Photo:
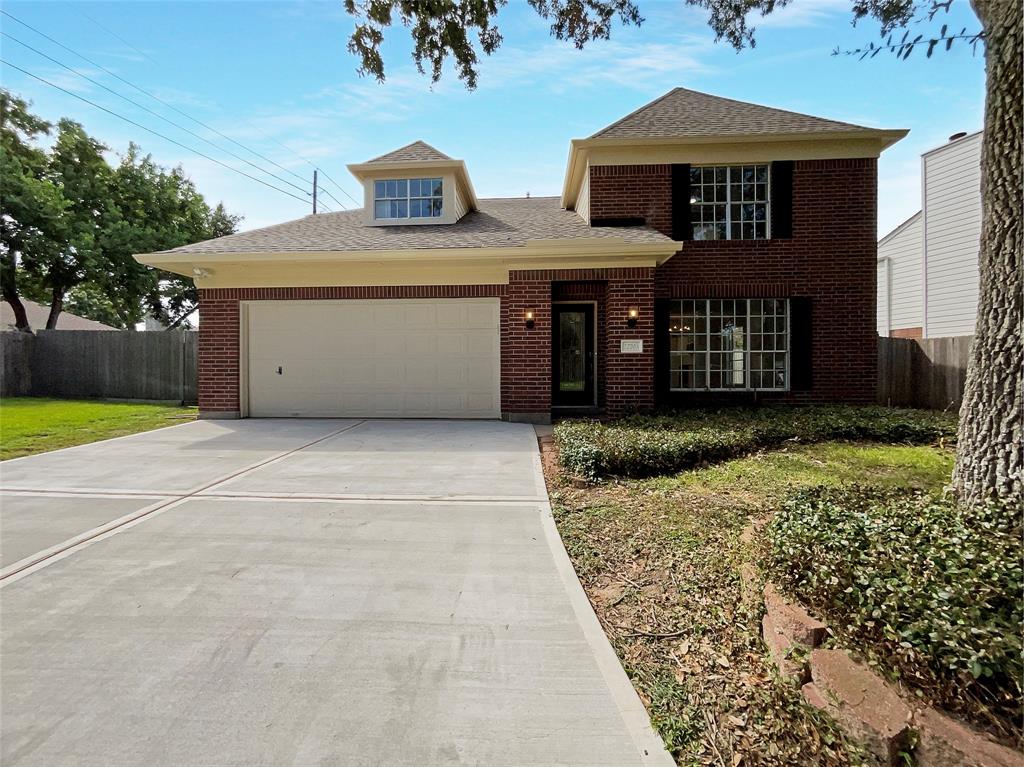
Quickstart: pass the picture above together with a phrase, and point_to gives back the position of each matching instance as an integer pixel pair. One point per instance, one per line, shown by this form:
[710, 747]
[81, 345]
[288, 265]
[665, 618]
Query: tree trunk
[56, 307]
[990, 452]
[20, 316]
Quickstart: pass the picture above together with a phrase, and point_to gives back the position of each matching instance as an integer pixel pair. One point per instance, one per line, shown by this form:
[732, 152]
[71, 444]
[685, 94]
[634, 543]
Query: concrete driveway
[320, 592]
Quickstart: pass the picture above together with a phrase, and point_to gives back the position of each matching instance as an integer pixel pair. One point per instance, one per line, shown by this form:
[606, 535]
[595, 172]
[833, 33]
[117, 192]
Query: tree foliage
[445, 29]
[71, 223]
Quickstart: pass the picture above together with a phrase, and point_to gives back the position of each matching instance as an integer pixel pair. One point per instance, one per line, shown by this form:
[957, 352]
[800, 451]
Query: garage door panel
[398, 358]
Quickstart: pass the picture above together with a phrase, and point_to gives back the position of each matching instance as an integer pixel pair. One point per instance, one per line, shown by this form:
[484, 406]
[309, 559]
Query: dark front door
[572, 355]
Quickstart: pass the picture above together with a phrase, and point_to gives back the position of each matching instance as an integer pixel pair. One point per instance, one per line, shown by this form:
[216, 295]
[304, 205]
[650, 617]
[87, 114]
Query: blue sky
[276, 77]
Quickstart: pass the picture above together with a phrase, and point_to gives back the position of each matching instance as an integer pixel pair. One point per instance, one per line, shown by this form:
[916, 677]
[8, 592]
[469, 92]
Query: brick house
[703, 249]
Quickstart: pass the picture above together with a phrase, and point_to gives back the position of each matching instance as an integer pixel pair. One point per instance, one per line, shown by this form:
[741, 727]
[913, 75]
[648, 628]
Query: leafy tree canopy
[446, 28]
[70, 223]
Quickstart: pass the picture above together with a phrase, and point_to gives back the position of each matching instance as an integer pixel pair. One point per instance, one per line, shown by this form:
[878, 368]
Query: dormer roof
[417, 151]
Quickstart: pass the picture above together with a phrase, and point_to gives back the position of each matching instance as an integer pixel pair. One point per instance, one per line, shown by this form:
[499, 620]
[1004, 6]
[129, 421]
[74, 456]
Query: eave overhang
[424, 266]
[713, 149]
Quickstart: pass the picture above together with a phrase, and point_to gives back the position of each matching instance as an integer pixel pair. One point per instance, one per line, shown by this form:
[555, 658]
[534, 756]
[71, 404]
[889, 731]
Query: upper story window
[729, 202]
[407, 198]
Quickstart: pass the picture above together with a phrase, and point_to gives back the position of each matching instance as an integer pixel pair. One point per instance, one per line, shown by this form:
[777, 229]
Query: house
[928, 265]
[38, 314]
[702, 250]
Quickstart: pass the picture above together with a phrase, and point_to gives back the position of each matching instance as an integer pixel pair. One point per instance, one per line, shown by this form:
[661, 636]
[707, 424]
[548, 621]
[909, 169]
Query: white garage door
[415, 358]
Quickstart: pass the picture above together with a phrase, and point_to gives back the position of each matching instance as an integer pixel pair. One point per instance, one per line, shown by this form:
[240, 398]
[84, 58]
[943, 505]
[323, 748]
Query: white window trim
[408, 198]
[746, 353]
[728, 205]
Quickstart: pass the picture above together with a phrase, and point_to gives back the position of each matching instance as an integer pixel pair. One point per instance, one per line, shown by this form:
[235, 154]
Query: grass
[660, 560]
[30, 425]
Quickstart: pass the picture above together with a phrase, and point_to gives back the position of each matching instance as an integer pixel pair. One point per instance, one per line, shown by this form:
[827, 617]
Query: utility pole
[314, 191]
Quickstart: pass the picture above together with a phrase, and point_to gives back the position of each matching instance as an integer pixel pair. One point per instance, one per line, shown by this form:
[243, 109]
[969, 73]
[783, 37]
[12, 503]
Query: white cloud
[803, 13]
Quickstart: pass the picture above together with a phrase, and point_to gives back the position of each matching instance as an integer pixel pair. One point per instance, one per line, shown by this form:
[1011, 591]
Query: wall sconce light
[632, 315]
[529, 318]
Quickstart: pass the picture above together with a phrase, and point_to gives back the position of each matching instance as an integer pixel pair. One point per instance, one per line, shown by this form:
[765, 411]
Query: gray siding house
[928, 265]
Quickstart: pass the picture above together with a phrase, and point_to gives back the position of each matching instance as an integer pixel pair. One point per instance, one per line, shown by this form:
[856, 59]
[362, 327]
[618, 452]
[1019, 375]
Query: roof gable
[682, 113]
[417, 151]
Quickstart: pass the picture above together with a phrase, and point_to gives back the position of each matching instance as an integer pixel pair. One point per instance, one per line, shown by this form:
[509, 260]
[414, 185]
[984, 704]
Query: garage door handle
[279, 371]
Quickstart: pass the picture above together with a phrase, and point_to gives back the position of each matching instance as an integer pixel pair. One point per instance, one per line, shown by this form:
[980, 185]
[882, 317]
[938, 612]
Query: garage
[394, 358]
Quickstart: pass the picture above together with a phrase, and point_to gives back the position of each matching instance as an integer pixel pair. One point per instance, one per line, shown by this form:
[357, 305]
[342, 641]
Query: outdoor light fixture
[632, 315]
[529, 318]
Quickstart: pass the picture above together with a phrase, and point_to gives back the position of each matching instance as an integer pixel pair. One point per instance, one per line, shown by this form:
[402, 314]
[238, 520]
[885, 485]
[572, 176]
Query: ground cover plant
[646, 446]
[929, 590]
[31, 425]
[660, 559]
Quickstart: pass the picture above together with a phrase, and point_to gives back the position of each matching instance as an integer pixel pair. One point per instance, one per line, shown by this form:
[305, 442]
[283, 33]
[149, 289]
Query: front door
[572, 355]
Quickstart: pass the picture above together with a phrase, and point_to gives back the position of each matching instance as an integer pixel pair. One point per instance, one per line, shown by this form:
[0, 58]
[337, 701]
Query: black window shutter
[682, 226]
[800, 352]
[782, 199]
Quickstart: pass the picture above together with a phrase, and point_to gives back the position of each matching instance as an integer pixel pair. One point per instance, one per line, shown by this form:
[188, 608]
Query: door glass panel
[572, 352]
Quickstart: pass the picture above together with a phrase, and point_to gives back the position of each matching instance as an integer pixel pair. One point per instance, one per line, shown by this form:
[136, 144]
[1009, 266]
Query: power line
[150, 95]
[117, 36]
[337, 185]
[154, 113]
[328, 193]
[155, 133]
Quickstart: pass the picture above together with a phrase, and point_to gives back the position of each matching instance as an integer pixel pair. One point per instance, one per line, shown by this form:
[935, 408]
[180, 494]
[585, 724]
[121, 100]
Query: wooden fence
[923, 372]
[153, 365]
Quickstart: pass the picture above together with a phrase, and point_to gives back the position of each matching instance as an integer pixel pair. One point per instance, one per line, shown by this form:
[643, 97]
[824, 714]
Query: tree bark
[990, 452]
[56, 307]
[9, 289]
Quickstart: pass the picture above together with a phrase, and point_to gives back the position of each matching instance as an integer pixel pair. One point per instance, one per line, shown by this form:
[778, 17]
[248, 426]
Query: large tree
[70, 224]
[990, 456]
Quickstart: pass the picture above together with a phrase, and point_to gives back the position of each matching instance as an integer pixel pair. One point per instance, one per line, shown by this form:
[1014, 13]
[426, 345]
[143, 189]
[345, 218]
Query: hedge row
[644, 446]
[917, 577]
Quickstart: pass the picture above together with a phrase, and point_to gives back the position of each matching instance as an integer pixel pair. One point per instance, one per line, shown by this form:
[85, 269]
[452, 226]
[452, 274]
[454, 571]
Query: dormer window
[404, 198]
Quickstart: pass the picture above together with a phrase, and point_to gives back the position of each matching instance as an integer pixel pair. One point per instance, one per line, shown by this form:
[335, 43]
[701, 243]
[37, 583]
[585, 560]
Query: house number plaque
[631, 346]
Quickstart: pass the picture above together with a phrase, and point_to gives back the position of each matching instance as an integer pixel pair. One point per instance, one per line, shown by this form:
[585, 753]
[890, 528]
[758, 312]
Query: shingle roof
[505, 222]
[417, 151]
[683, 113]
[37, 315]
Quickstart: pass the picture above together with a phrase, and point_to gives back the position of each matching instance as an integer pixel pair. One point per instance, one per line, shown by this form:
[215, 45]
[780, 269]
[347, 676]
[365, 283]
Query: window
[729, 344]
[407, 198]
[729, 202]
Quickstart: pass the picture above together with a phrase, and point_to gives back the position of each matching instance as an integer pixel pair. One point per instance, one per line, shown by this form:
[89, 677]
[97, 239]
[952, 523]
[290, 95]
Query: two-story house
[703, 249]
[928, 265]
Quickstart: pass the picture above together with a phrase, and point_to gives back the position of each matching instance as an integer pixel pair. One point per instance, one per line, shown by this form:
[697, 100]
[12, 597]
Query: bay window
[729, 344]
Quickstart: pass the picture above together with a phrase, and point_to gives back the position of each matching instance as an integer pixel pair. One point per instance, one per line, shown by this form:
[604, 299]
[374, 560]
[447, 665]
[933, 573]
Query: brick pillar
[526, 352]
[218, 356]
[629, 378]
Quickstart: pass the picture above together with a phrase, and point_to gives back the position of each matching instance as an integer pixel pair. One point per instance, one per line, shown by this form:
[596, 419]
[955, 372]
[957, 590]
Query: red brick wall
[830, 258]
[621, 191]
[630, 377]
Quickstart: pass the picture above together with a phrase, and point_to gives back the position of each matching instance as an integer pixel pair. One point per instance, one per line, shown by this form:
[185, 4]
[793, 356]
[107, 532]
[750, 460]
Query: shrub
[644, 446]
[919, 579]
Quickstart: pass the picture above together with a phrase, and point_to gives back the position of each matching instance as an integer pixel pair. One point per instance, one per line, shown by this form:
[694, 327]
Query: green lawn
[31, 425]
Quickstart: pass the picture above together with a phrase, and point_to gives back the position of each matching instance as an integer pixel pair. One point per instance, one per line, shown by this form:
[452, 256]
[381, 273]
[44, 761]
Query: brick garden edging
[867, 708]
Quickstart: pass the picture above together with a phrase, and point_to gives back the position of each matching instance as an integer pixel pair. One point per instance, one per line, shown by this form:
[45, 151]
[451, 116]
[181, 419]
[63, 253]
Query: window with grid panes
[408, 198]
[729, 202]
[729, 344]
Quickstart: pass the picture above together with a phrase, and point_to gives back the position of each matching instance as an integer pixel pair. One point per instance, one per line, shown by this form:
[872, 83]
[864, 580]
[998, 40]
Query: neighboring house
[38, 314]
[702, 250]
[928, 265]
